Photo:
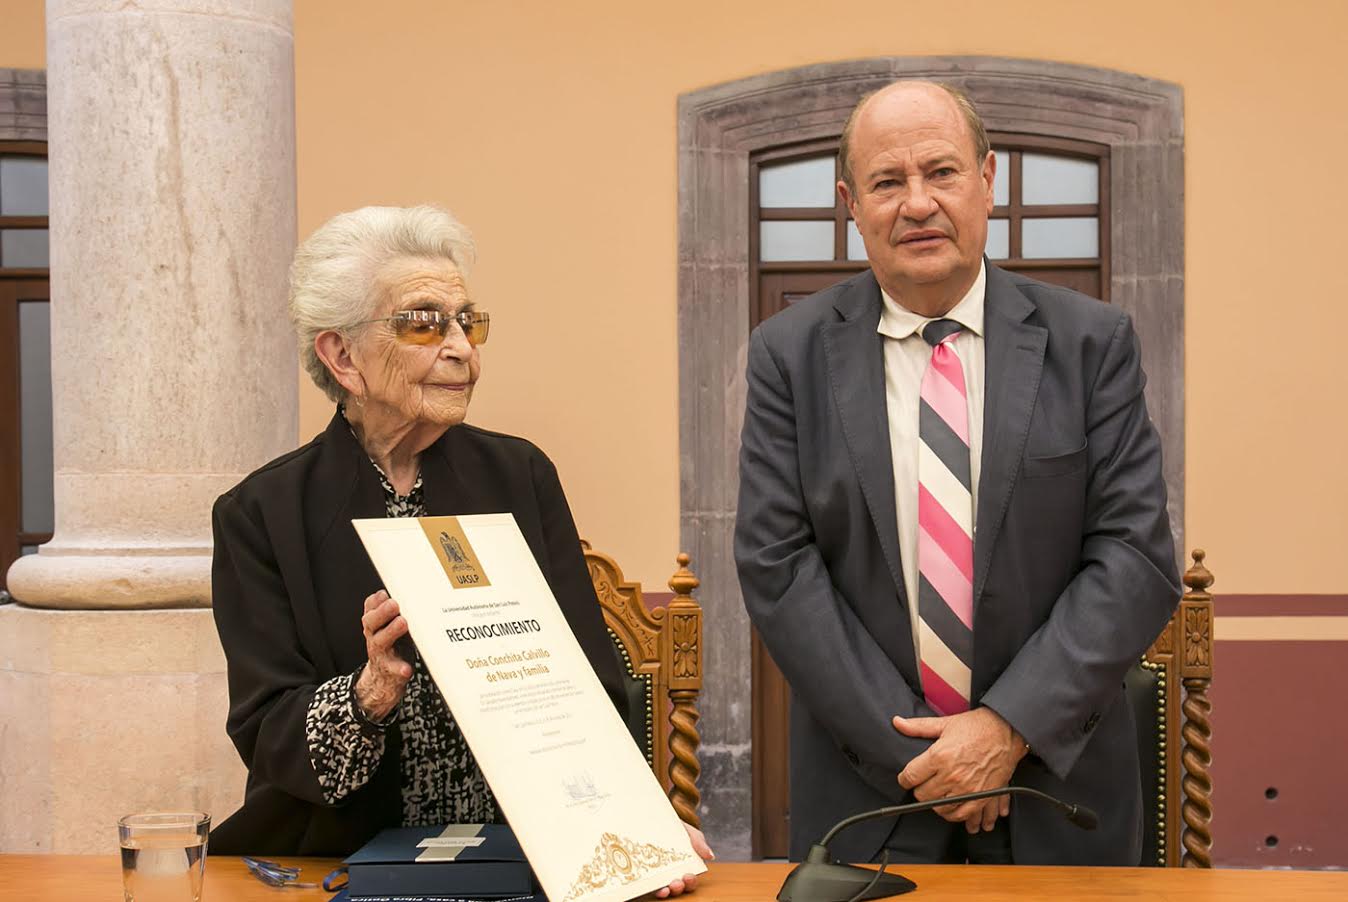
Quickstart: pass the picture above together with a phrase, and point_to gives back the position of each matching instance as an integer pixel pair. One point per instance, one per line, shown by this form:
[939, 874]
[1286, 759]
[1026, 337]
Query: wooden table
[95, 878]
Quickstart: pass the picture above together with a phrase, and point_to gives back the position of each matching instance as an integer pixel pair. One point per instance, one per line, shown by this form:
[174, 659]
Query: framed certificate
[587, 810]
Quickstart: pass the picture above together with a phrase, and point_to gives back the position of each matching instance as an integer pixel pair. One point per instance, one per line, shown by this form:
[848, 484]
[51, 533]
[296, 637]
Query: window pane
[804, 183]
[999, 239]
[23, 186]
[1042, 239]
[23, 248]
[1001, 182]
[780, 240]
[856, 248]
[35, 416]
[1048, 179]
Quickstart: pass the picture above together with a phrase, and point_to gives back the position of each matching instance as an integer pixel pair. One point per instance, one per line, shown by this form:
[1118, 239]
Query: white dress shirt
[906, 357]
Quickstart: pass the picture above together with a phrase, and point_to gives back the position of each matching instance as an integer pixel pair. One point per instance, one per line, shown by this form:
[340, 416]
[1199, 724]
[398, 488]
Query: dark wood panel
[23, 148]
[800, 150]
[23, 222]
[778, 290]
[771, 760]
[10, 452]
[1029, 267]
[771, 694]
[796, 213]
[1086, 150]
[1086, 281]
[12, 293]
[1041, 211]
[843, 268]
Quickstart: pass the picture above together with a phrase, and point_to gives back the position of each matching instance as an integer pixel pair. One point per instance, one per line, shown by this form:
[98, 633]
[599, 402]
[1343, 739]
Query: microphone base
[823, 881]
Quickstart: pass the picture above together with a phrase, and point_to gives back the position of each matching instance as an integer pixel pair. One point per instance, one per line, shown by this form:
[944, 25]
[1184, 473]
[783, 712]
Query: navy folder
[476, 861]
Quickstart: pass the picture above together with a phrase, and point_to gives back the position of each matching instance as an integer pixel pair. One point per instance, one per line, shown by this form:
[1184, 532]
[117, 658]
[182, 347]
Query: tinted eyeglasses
[426, 327]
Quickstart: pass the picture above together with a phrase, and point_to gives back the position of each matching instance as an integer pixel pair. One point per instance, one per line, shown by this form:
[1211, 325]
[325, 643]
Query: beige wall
[22, 35]
[550, 129]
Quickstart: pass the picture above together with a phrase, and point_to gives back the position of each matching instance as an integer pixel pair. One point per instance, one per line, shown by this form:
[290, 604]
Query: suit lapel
[1013, 361]
[856, 372]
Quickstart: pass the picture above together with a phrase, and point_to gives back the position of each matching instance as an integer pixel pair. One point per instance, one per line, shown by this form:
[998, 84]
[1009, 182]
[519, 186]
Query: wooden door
[25, 354]
[16, 295]
[771, 695]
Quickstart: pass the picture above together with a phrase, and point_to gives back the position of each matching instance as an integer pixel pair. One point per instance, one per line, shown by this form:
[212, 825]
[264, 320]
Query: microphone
[819, 879]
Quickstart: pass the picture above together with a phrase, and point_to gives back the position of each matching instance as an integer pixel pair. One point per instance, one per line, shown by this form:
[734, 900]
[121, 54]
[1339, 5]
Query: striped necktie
[945, 545]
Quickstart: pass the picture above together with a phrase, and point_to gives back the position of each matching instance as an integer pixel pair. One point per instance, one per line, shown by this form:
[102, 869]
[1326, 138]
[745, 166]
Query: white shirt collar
[897, 321]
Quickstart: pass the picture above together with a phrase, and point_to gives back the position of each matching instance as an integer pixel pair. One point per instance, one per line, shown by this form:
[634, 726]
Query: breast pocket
[1055, 465]
[1047, 515]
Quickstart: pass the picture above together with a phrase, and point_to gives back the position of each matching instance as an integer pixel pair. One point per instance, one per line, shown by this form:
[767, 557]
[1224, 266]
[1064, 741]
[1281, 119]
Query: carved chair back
[1168, 692]
[661, 652]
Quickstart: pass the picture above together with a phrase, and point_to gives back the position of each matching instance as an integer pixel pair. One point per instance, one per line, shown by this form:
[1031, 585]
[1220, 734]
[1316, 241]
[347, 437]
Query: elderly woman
[341, 727]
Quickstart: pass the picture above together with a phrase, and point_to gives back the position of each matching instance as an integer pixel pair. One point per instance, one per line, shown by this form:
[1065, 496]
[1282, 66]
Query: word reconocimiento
[492, 630]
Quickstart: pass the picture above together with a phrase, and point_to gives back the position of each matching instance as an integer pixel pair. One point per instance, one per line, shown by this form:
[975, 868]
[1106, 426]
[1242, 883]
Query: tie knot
[938, 330]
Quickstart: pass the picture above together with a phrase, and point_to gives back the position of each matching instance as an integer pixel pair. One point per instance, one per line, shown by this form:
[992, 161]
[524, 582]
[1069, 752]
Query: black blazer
[289, 582]
[1074, 564]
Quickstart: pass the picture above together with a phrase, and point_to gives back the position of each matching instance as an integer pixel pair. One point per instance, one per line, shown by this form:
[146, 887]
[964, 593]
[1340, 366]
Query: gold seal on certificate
[584, 804]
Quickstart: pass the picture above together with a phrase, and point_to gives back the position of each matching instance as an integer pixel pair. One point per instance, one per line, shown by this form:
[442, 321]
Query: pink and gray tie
[945, 545]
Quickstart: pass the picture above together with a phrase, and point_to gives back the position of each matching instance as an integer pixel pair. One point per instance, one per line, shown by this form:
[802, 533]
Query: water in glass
[163, 856]
[166, 868]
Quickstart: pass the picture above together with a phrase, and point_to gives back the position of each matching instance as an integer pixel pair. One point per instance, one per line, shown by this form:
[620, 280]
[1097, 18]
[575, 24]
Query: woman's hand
[689, 881]
[385, 675]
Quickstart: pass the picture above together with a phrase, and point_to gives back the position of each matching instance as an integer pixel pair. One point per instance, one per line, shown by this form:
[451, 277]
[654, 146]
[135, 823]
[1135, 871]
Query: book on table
[458, 861]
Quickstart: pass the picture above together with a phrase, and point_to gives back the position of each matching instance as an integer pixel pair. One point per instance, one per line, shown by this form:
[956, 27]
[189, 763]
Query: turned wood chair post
[1195, 668]
[662, 647]
[682, 659]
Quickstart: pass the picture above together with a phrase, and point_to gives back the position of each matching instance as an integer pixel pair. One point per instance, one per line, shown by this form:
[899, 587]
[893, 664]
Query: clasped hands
[971, 752]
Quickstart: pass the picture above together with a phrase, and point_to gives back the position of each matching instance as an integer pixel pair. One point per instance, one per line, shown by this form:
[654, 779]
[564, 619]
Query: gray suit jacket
[1074, 567]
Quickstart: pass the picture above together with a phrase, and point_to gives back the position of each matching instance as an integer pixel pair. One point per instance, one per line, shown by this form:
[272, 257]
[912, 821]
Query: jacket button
[1092, 721]
[851, 757]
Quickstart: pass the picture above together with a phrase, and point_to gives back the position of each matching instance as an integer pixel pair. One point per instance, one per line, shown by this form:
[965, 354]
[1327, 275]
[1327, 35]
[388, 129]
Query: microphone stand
[819, 879]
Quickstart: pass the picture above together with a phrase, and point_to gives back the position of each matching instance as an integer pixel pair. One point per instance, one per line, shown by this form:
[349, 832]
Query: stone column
[172, 162]
[172, 157]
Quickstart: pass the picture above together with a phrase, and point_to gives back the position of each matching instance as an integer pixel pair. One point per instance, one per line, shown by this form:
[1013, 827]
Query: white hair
[332, 281]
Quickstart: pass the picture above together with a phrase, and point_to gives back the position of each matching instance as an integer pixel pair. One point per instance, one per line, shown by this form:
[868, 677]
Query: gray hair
[332, 281]
[974, 122]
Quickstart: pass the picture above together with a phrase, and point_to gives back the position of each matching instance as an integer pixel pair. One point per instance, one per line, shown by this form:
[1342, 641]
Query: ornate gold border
[617, 861]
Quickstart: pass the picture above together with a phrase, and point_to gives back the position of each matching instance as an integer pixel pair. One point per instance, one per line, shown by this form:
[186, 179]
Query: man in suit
[952, 531]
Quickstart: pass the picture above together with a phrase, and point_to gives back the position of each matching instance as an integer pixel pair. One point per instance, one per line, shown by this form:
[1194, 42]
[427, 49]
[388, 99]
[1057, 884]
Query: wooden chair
[1168, 691]
[661, 652]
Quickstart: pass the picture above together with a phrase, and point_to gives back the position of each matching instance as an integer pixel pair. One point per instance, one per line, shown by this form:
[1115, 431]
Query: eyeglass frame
[473, 315]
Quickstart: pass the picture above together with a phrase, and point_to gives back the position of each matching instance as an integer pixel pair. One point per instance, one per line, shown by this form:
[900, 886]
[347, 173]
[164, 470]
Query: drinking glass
[163, 855]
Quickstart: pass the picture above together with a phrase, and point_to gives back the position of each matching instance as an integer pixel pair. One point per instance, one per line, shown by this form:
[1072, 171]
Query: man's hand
[689, 881]
[973, 751]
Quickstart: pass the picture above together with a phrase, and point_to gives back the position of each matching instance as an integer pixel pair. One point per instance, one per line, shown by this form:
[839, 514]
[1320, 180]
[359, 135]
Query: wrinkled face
[430, 383]
[920, 199]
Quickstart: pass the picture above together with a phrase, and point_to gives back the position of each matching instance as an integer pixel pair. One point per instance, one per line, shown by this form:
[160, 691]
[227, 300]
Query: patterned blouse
[441, 782]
